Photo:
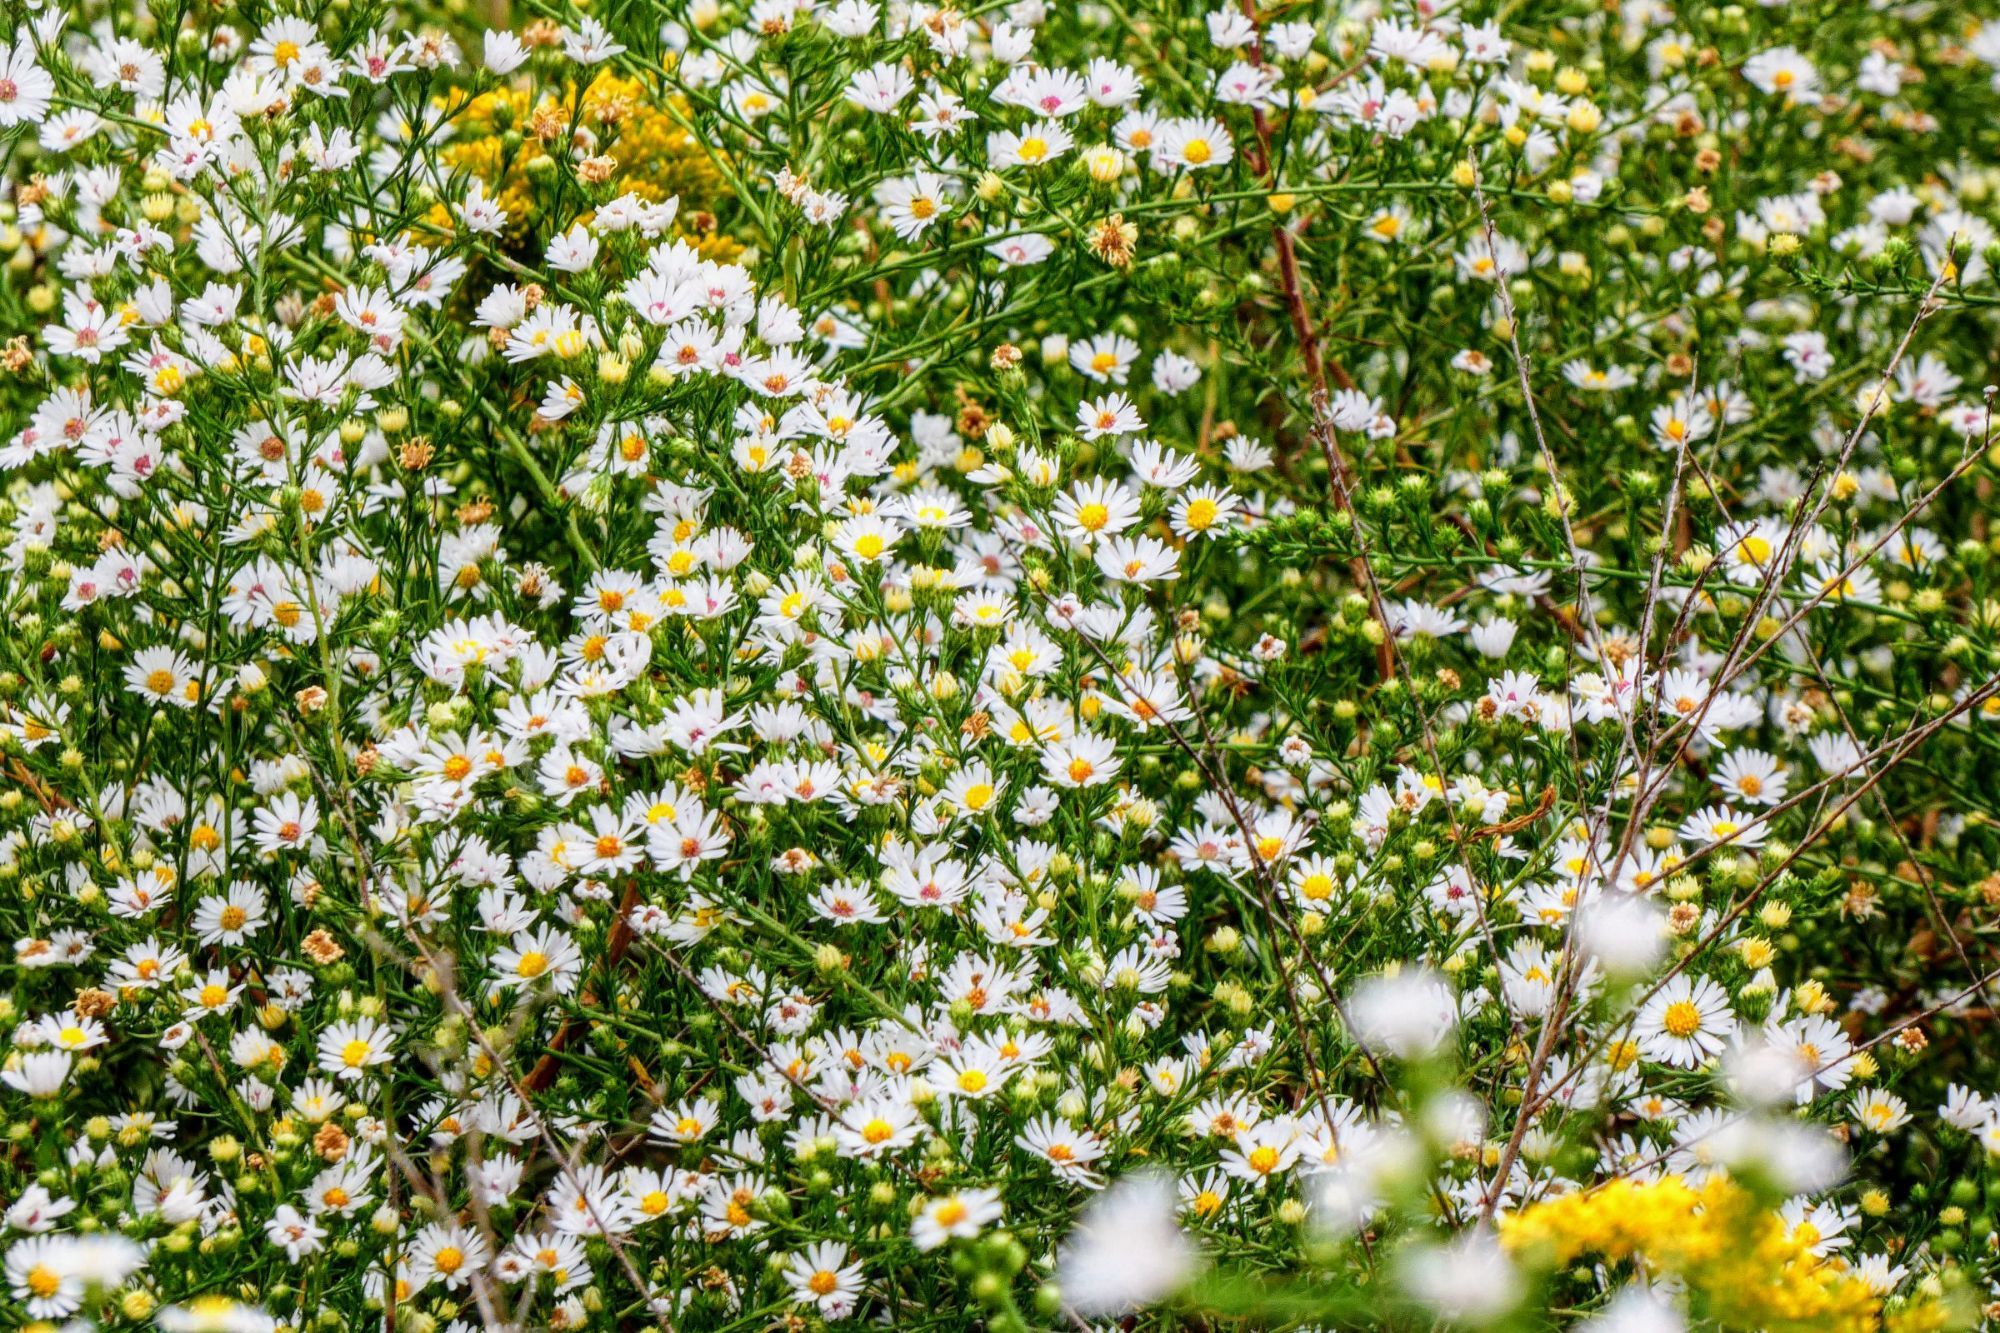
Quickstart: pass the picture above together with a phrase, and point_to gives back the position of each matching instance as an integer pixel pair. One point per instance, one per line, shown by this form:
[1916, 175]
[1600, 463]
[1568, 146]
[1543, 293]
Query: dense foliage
[999, 667]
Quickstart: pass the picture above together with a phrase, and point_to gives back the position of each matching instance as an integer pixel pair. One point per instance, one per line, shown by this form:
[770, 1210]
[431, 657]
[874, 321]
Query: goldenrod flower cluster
[1743, 1266]
[504, 136]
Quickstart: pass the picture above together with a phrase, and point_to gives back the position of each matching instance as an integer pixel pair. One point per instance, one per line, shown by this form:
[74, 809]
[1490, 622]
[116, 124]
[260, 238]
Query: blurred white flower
[1128, 1250]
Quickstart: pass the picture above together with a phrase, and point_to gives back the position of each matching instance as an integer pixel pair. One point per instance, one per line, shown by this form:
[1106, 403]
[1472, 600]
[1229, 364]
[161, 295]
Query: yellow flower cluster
[501, 137]
[1743, 1267]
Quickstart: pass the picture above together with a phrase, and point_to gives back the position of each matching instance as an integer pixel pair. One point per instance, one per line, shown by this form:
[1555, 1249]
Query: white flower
[1127, 1250]
[1410, 1014]
[1782, 72]
[1468, 1280]
[572, 252]
[349, 1048]
[38, 1073]
[963, 1214]
[589, 44]
[1624, 932]
[1879, 1111]
[1685, 1023]
[503, 52]
[25, 87]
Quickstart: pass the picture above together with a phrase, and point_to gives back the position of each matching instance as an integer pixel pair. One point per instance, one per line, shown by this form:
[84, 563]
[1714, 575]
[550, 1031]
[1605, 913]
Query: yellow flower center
[1682, 1019]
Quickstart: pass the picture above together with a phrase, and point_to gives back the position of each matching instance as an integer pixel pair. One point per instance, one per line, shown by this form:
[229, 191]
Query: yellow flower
[617, 117]
[1740, 1262]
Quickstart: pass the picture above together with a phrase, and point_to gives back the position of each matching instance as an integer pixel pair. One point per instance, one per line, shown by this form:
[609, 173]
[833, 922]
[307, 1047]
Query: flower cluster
[1000, 666]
